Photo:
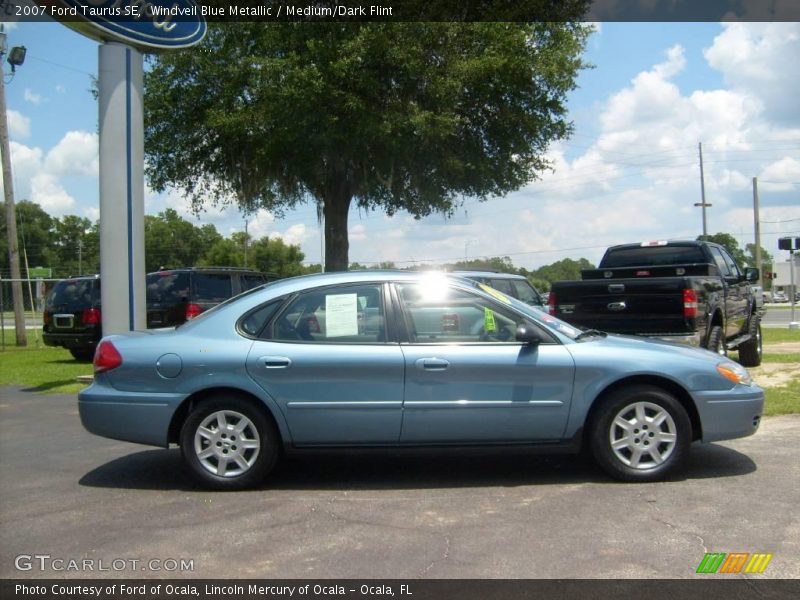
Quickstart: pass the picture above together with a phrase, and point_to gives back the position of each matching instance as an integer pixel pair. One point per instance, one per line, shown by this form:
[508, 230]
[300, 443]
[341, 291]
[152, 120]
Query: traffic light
[786, 243]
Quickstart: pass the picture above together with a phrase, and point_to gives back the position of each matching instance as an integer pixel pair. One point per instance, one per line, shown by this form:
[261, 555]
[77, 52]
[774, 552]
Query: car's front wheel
[641, 433]
[229, 442]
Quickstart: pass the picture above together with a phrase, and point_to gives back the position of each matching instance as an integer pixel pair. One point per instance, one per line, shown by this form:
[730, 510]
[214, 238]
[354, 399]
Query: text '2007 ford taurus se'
[397, 360]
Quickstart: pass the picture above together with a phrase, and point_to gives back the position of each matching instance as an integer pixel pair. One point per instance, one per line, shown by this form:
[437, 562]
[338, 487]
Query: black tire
[751, 350]
[82, 354]
[660, 447]
[716, 341]
[225, 458]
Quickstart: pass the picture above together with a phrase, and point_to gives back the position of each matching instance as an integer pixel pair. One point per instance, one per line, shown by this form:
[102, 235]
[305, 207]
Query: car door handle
[432, 364]
[275, 362]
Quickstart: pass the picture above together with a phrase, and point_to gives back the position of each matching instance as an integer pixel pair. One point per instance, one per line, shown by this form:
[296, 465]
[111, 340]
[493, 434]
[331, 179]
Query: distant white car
[779, 297]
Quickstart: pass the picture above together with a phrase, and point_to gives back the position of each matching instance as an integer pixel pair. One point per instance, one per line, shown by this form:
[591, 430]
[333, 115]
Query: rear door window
[167, 288]
[211, 288]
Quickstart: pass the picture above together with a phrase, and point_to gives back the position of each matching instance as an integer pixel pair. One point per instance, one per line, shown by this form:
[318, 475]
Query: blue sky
[629, 173]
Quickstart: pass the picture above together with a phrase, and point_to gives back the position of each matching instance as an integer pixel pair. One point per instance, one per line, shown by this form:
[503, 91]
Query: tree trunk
[336, 206]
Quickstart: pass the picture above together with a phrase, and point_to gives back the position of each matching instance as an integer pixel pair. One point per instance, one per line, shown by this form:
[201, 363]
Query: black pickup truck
[686, 291]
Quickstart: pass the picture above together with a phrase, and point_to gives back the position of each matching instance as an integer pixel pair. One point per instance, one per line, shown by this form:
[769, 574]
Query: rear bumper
[139, 418]
[730, 414]
[71, 341]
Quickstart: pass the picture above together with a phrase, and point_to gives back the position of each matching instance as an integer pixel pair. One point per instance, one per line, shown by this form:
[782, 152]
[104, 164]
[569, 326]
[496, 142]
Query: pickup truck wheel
[715, 342]
[640, 434]
[750, 351]
[229, 443]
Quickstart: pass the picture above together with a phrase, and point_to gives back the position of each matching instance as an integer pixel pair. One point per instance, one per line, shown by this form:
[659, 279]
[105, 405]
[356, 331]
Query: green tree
[561, 270]
[387, 116]
[75, 246]
[172, 241]
[750, 256]
[34, 235]
[272, 255]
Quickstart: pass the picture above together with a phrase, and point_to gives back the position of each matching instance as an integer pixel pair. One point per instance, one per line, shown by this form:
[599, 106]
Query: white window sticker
[341, 315]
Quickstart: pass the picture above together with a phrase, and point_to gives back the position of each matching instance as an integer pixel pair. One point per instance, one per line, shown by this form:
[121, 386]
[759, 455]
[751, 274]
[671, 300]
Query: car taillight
[91, 316]
[551, 303]
[192, 310]
[48, 317]
[690, 304]
[106, 357]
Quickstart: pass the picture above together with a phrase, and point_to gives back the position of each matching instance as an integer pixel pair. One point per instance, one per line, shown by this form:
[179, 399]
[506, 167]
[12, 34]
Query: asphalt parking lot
[73, 496]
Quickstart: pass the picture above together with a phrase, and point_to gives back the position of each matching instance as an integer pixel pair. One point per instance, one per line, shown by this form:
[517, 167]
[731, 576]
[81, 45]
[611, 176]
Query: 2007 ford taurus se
[392, 359]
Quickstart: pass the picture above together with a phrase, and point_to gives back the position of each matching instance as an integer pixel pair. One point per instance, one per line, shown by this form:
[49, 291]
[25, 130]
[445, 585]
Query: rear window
[167, 287]
[74, 294]
[211, 287]
[653, 256]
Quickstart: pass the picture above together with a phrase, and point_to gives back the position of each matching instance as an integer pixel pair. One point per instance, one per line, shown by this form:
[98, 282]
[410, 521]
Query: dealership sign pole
[126, 29]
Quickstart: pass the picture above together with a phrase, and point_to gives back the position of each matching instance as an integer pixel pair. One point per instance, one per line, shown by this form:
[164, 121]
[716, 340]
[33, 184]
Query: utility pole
[702, 202]
[757, 228]
[245, 243]
[11, 213]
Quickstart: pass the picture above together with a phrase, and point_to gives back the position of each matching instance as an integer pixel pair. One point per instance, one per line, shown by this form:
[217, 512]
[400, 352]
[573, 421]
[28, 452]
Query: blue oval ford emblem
[146, 24]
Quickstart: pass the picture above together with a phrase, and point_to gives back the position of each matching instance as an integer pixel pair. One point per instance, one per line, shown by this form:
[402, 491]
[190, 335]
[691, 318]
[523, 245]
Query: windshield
[534, 312]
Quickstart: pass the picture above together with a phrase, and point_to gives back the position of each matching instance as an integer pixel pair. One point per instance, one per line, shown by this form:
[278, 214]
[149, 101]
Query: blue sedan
[393, 359]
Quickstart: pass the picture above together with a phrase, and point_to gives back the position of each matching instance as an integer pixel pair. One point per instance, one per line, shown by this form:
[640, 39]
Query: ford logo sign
[148, 25]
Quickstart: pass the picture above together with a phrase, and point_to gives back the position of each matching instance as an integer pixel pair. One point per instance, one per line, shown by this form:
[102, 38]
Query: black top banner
[403, 10]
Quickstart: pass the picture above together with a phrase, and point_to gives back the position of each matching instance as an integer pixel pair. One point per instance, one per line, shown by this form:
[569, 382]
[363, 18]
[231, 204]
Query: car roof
[210, 270]
[80, 278]
[301, 282]
[487, 274]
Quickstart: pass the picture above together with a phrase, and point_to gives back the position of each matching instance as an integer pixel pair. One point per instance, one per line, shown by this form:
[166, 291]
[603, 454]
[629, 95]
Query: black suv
[72, 317]
[515, 286]
[176, 295]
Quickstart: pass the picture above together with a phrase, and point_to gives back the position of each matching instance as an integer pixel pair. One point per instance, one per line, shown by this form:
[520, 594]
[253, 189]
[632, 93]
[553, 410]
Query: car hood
[618, 356]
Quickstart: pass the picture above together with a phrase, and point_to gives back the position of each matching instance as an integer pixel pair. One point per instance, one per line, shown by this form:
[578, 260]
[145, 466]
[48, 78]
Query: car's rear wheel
[229, 442]
[641, 433]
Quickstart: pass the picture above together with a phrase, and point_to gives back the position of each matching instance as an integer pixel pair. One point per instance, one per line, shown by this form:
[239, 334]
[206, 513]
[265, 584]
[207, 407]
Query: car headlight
[734, 372]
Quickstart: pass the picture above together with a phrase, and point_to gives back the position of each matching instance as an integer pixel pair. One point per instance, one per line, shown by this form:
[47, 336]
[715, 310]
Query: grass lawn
[41, 369]
[53, 370]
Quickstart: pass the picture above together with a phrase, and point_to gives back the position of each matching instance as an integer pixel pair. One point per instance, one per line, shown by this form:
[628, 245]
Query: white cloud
[755, 59]
[75, 154]
[19, 126]
[782, 175]
[38, 176]
[47, 192]
[33, 97]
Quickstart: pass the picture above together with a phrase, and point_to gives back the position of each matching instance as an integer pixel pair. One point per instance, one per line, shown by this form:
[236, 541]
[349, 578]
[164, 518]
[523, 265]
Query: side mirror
[751, 274]
[527, 335]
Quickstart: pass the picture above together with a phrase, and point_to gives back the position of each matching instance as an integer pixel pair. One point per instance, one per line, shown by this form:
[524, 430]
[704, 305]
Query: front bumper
[127, 416]
[730, 414]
